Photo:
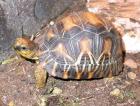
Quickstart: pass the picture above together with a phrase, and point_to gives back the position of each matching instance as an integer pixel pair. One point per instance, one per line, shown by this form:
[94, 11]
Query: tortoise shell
[82, 45]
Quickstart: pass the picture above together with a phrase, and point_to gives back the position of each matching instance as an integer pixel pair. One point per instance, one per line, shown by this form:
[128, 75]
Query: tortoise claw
[40, 76]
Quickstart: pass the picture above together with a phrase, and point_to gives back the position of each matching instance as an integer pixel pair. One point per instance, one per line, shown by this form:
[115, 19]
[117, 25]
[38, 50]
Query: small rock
[11, 103]
[131, 101]
[57, 91]
[130, 63]
[115, 92]
[42, 101]
[52, 23]
[132, 75]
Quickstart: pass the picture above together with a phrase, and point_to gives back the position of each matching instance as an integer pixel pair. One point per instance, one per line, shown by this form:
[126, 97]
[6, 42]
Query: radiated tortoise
[80, 45]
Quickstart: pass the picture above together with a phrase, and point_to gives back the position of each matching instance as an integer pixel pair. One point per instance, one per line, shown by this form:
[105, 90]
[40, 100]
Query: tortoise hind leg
[40, 76]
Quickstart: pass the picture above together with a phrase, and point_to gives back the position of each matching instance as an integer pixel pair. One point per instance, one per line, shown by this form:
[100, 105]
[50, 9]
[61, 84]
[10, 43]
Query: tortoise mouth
[26, 53]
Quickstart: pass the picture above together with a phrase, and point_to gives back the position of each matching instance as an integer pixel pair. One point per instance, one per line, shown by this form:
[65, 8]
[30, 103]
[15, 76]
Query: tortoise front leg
[40, 76]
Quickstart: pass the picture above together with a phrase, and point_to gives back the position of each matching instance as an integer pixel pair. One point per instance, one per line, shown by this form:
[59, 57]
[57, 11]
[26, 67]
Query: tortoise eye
[24, 48]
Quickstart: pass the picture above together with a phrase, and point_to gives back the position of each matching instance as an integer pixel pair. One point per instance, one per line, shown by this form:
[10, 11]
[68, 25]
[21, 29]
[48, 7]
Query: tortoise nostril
[17, 48]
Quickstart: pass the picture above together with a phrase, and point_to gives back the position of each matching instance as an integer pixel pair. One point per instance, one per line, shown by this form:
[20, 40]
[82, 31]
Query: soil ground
[18, 88]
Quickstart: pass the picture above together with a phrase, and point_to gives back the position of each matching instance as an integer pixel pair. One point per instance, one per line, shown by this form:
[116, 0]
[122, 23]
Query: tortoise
[80, 45]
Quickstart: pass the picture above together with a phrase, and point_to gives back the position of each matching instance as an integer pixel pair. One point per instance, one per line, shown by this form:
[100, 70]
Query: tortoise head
[26, 48]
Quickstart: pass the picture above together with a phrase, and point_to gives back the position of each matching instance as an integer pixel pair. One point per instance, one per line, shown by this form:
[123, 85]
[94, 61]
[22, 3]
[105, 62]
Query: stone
[50, 9]
[11, 103]
[131, 75]
[130, 63]
[6, 35]
[57, 91]
[115, 92]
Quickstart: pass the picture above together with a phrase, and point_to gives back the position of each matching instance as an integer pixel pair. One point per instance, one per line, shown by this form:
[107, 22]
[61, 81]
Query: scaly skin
[40, 76]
